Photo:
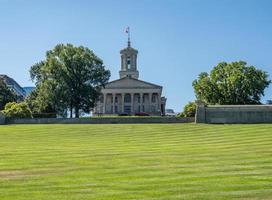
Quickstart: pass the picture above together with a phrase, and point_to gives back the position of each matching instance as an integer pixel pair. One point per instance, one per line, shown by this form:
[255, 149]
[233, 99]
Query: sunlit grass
[143, 161]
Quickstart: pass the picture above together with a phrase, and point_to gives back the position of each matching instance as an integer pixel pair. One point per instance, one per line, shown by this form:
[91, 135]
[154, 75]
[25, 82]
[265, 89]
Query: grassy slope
[173, 161]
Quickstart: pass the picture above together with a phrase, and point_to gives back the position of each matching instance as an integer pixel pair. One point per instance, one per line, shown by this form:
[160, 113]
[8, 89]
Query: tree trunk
[71, 111]
[77, 112]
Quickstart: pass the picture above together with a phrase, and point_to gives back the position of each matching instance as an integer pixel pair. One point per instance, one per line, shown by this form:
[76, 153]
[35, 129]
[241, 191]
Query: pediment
[130, 83]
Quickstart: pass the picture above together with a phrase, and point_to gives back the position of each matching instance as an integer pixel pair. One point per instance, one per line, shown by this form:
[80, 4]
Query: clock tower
[129, 62]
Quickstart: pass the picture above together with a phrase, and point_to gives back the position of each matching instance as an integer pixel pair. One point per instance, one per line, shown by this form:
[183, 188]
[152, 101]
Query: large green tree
[6, 95]
[231, 83]
[70, 77]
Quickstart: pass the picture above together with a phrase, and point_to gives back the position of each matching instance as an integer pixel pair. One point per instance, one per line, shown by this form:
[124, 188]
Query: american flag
[127, 29]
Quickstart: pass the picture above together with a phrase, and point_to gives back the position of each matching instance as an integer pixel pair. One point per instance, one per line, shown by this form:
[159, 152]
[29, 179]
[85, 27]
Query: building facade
[128, 94]
[28, 90]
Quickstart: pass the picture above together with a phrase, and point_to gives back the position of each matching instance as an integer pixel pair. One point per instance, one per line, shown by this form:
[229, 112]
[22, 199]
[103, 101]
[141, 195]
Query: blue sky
[176, 39]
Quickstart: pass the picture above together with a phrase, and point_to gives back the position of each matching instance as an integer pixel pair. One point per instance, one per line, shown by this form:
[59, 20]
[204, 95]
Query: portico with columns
[130, 102]
[128, 94]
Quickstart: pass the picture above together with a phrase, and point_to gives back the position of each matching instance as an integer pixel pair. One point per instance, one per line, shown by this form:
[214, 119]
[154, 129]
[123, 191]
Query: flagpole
[128, 32]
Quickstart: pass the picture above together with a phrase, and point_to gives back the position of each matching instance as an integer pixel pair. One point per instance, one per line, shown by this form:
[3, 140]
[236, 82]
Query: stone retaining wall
[231, 114]
[106, 120]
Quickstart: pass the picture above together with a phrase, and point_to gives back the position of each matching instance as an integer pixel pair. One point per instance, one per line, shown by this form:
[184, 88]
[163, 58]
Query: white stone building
[128, 94]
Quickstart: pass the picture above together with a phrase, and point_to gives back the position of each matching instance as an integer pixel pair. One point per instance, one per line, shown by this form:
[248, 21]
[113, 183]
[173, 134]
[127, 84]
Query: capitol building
[129, 94]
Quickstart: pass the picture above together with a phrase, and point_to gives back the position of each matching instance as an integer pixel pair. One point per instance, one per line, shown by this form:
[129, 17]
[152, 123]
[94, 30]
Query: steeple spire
[129, 60]
[128, 32]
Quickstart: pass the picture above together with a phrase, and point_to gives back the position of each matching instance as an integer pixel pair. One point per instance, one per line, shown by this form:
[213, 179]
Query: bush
[17, 110]
[44, 115]
[189, 110]
[141, 114]
[123, 114]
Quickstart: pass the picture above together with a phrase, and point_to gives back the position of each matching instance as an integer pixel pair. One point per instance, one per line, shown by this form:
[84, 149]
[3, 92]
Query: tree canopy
[6, 95]
[70, 77]
[231, 83]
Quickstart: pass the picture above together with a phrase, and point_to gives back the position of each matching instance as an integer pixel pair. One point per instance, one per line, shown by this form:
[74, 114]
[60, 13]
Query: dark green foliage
[41, 104]
[70, 77]
[6, 95]
[15, 110]
[232, 83]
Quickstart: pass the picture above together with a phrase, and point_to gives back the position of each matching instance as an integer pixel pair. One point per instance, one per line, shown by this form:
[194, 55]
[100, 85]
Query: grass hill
[147, 162]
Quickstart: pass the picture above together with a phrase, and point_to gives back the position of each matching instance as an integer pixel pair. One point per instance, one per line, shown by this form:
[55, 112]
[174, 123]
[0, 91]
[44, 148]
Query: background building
[28, 90]
[14, 86]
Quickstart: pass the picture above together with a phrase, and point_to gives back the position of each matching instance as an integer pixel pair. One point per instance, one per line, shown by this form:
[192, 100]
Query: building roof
[127, 49]
[128, 82]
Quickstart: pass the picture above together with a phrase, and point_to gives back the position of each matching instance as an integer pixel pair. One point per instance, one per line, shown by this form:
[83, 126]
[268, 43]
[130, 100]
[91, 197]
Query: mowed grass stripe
[142, 161]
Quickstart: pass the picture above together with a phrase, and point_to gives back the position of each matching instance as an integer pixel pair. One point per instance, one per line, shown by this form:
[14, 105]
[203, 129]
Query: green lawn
[151, 161]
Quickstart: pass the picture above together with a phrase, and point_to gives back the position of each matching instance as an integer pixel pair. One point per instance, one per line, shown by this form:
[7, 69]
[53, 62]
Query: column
[200, 116]
[132, 102]
[159, 103]
[141, 102]
[133, 61]
[104, 103]
[122, 63]
[113, 102]
[150, 101]
[123, 101]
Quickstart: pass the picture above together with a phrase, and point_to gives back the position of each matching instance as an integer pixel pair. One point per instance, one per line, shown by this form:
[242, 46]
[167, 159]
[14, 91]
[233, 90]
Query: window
[101, 98]
[153, 99]
[116, 99]
[139, 99]
[128, 62]
[127, 98]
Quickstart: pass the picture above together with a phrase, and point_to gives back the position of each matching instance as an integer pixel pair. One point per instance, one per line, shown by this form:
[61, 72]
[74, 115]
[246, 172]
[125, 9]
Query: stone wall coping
[105, 120]
[237, 106]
